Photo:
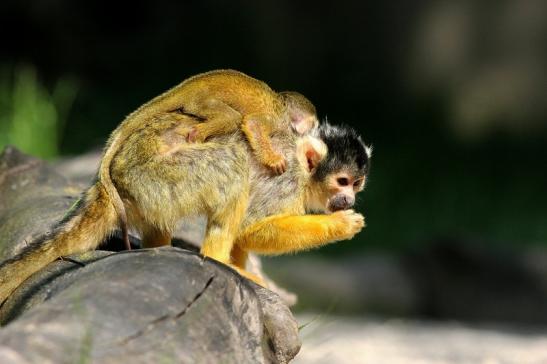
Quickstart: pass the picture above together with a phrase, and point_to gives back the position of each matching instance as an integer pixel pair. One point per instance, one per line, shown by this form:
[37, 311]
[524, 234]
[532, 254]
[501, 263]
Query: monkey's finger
[359, 219]
[281, 167]
[347, 213]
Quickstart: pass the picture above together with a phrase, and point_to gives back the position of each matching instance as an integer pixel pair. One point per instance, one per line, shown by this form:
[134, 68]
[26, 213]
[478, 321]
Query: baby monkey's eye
[342, 181]
[358, 183]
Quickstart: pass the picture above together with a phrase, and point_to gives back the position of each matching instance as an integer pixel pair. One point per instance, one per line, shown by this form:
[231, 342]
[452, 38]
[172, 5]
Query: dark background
[452, 95]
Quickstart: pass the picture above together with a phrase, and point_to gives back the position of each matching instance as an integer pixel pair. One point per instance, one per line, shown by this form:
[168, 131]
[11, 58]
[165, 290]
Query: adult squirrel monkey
[224, 101]
[161, 178]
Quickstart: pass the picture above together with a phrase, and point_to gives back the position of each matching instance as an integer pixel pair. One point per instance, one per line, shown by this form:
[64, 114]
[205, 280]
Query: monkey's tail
[105, 179]
[88, 224]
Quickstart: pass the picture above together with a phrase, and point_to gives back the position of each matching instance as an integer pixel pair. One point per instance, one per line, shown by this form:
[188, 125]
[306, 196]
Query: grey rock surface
[33, 196]
[142, 306]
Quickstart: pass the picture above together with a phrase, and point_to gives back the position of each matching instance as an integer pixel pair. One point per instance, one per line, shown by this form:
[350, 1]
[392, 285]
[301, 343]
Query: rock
[33, 197]
[143, 306]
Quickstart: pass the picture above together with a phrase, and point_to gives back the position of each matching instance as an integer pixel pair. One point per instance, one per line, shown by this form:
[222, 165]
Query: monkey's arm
[222, 119]
[257, 128]
[284, 234]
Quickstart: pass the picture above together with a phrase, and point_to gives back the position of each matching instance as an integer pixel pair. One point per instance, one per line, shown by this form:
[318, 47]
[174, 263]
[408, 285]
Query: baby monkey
[227, 100]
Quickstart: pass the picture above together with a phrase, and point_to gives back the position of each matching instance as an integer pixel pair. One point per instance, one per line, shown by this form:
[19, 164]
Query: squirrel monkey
[224, 100]
[162, 178]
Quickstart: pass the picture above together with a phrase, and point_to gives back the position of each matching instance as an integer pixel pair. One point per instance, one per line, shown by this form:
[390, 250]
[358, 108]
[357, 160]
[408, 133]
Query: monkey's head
[300, 111]
[339, 171]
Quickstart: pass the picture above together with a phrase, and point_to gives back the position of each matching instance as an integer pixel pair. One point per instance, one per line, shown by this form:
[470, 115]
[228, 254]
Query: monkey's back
[245, 94]
[143, 132]
[161, 177]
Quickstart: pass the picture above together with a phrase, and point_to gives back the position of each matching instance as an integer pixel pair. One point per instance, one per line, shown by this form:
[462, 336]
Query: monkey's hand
[257, 129]
[248, 275]
[350, 223]
[276, 162]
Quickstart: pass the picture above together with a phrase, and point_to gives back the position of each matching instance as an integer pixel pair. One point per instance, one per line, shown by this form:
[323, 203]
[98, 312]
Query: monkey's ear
[310, 151]
[302, 122]
[301, 112]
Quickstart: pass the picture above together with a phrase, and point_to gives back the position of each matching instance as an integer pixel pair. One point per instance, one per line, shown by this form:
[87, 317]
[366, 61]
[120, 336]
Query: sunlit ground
[335, 339]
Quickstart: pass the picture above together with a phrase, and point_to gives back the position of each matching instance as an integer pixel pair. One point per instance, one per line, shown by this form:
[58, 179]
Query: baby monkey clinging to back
[228, 100]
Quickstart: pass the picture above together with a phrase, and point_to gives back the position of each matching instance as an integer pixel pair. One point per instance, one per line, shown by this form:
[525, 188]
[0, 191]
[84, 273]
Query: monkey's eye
[357, 183]
[342, 181]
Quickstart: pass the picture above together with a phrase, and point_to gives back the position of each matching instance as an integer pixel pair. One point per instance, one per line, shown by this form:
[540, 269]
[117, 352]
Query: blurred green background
[453, 95]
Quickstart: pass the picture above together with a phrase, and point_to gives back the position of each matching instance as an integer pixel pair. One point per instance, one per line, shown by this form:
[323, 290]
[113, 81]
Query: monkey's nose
[341, 202]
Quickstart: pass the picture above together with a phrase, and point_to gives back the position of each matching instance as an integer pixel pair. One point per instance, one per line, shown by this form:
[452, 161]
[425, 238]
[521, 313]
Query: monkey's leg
[257, 129]
[222, 228]
[152, 237]
[284, 234]
[220, 119]
[239, 262]
[239, 257]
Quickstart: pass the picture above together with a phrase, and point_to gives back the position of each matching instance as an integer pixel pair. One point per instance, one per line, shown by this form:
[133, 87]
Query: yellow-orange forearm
[284, 234]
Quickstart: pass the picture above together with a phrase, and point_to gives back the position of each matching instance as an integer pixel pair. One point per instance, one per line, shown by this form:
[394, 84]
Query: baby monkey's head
[300, 111]
[338, 168]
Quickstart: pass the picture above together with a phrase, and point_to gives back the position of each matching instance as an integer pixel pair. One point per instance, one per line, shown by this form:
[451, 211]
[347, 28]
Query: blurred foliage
[451, 94]
[416, 195]
[31, 117]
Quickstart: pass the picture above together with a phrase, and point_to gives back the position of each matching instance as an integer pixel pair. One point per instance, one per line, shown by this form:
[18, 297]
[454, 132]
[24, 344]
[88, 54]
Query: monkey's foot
[277, 163]
[248, 275]
[194, 135]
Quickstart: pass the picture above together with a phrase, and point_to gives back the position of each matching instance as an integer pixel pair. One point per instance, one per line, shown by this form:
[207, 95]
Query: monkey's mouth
[339, 202]
[331, 208]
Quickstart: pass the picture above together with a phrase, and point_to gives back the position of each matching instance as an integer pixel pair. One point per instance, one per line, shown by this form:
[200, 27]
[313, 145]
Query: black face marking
[346, 151]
